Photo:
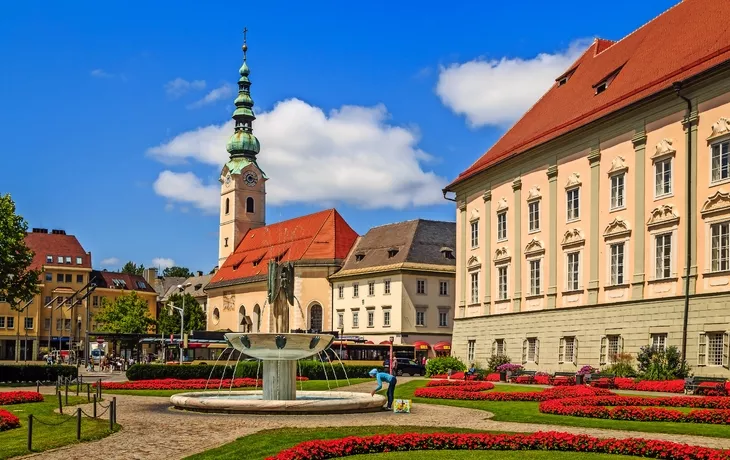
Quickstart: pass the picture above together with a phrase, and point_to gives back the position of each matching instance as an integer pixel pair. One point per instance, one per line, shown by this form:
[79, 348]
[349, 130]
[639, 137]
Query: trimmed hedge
[31, 372]
[313, 370]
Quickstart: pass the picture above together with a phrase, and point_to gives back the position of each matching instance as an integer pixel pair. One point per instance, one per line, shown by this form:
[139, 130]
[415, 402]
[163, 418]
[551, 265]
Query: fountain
[279, 351]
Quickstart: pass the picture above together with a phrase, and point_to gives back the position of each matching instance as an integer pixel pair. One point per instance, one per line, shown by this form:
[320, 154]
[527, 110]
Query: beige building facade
[605, 226]
[398, 281]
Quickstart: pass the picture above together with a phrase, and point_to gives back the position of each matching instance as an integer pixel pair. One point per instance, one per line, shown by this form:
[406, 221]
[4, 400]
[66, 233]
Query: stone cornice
[487, 195]
[573, 237]
[639, 139]
[573, 181]
[552, 172]
[534, 193]
[720, 128]
[501, 255]
[662, 215]
[517, 184]
[717, 203]
[618, 165]
[618, 227]
[534, 247]
[663, 149]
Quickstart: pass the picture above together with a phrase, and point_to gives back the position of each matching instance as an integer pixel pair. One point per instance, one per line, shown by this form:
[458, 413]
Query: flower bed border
[8, 421]
[553, 441]
[19, 397]
[177, 384]
[474, 391]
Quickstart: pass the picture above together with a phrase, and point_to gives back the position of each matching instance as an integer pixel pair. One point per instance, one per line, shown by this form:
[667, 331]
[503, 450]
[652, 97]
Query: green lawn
[527, 412]
[489, 454]
[14, 442]
[311, 385]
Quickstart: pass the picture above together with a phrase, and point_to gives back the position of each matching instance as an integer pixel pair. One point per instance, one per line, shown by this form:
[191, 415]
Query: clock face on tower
[228, 180]
[250, 178]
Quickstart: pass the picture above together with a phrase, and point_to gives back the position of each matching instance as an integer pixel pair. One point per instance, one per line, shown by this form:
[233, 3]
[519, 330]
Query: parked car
[406, 366]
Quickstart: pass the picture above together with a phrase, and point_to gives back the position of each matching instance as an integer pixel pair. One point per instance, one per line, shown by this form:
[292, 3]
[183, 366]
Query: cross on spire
[245, 46]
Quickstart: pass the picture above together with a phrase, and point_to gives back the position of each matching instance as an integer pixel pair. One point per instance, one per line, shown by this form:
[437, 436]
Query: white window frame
[341, 291]
[340, 319]
[371, 317]
[625, 264]
[498, 281]
[502, 226]
[499, 347]
[710, 241]
[421, 314]
[474, 226]
[617, 192]
[443, 287]
[568, 217]
[386, 287]
[355, 289]
[371, 288]
[386, 317]
[535, 283]
[569, 285]
[659, 341]
[665, 163]
[443, 314]
[672, 234]
[703, 349]
[419, 283]
[474, 287]
[533, 216]
[355, 319]
[720, 143]
[568, 350]
[531, 350]
[470, 348]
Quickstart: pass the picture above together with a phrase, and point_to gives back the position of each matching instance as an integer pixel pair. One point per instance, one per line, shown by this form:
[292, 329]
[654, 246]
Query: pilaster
[690, 123]
[462, 258]
[639, 192]
[552, 290]
[594, 159]
[487, 266]
[517, 298]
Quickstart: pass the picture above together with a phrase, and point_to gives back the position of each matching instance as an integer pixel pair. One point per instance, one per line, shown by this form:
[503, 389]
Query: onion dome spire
[243, 143]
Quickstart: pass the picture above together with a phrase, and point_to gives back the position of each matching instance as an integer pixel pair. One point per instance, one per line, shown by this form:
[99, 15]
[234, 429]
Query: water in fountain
[234, 371]
[324, 369]
[344, 371]
[214, 364]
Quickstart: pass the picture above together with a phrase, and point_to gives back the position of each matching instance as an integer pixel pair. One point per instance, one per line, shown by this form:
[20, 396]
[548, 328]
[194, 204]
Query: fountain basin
[279, 347]
[306, 402]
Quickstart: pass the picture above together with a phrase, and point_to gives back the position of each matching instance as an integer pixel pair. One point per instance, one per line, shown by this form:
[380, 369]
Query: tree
[169, 320]
[132, 268]
[181, 272]
[127, 314]
[18, 283]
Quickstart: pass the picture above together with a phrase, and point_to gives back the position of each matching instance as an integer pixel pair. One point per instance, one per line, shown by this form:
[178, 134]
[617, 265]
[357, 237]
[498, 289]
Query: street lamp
[181, 288]
[390, 361]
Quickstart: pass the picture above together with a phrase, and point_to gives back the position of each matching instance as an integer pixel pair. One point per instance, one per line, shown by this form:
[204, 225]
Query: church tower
[243, 183]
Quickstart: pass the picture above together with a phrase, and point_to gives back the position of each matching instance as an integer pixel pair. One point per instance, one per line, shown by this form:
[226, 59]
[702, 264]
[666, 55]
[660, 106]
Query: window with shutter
[537, 351]
[561, 351]
[725, 346]
[575, 351]
[524, 351]
[604, 345]
[702, 349]
[494, 347]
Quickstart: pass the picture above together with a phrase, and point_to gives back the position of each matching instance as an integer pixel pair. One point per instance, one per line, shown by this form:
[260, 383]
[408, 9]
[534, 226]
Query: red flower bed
[354, 445]
[494, 377]
[714, 410]
[666, 386]
[19, 397]
[177, 384]
[474, 391]
[8, 421]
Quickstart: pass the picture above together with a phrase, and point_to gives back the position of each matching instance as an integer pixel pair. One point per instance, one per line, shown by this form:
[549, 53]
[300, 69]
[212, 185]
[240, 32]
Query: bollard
[60, 403]
[66, 402]
[56, 384]
[78, 424]
[111, 416]
[37, 386]
[78, 386]
[98, 388]
[115, 408]
[30, 432]
[94, 406]
[88, 392]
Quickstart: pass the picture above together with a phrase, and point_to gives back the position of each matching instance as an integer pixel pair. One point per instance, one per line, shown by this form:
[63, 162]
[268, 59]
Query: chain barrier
[36, 419]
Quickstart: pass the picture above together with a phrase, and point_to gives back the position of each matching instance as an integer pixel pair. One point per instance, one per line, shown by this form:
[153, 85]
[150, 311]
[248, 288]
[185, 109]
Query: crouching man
[392, 381]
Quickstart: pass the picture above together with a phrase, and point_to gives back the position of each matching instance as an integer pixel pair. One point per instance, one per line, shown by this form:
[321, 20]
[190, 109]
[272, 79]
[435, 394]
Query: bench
[525, 377]
[603, 381]
[562, 378]
[700, 385]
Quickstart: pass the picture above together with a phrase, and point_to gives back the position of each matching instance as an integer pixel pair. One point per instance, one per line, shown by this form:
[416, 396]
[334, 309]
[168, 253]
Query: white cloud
[163, 262]
[498, 92]
[351, 155]
[187, 188]
[110, 261]
[216, 94]
[177, 87]
[100, 73]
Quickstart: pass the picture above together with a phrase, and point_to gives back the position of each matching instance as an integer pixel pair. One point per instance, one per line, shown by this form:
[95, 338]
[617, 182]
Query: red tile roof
[129, 282]
[320, 236]
[689, 38]
[51, 244]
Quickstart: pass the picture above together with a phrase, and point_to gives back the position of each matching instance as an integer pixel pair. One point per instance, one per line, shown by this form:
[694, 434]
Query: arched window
[256, 320]
[228, 205]
[249, 204]
[315, 318]
[243, 325]
[216, 316]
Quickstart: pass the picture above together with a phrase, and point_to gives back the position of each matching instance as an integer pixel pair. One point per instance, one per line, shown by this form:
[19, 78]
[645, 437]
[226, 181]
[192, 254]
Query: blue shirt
[383, 376]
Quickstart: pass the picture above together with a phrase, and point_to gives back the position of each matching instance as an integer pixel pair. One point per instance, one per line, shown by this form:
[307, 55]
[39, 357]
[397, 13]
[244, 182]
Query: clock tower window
[249, 204]
[228, 205]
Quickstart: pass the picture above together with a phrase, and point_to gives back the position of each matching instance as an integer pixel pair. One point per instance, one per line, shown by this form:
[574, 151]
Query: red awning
[421, 345]
[385, 342]
[369, 342]
[442, 346]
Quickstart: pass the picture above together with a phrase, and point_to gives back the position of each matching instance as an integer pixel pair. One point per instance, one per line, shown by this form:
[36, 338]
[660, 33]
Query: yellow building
[398, 281]
[600, 222]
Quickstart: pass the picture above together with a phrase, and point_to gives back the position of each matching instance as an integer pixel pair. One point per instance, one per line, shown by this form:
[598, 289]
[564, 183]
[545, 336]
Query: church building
[316, 244]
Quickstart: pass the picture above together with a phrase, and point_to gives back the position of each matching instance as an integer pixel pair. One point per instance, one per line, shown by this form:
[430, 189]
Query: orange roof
[320, 236]
[55, 244]
[689, 38]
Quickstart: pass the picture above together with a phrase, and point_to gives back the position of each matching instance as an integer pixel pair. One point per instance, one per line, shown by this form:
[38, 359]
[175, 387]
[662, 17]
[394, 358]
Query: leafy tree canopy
[169, 320]
[182, 272]
[127, 314]
[18, 284]
[132, 268]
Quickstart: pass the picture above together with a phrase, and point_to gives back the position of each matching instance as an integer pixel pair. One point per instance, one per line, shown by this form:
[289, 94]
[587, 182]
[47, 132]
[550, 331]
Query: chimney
[150, 275]
[200, 273]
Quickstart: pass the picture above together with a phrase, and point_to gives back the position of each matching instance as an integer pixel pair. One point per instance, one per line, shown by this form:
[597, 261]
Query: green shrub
[313, 370]
[497, 360]
[622, 366]
[441, 365]
[33, 372]
[655, 364]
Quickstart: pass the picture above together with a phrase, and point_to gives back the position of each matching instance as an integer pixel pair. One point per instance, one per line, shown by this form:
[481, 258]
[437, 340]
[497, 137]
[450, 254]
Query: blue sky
[114, 113]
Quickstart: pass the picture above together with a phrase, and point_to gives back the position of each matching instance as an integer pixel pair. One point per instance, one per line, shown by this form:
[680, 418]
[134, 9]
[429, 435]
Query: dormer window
[601, 87]
[563, 81]
[447, 253]
[258, 261]
[392, 253]
[359, 257]
[604, 83]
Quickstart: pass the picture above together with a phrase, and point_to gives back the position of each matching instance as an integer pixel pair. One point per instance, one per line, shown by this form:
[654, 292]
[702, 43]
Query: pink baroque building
[600, 222]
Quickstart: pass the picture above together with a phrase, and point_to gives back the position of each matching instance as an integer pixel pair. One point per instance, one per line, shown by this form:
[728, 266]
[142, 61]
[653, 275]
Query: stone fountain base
[253, 402]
